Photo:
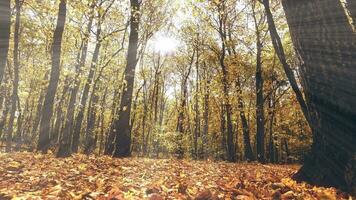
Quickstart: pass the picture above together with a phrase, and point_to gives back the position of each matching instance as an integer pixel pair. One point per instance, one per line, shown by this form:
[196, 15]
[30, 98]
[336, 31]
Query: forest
[178, 99]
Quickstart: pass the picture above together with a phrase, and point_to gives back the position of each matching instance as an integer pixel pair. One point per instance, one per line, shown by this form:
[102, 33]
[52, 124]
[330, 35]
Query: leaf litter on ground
[37, 176]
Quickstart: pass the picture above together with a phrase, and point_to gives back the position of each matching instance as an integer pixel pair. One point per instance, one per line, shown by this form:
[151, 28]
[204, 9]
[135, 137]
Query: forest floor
[36, 176]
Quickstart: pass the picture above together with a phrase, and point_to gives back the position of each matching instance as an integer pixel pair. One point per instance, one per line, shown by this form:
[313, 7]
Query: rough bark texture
[121, 125]
[47, 110]
[325, 42]
[5, 23]
[351, 6]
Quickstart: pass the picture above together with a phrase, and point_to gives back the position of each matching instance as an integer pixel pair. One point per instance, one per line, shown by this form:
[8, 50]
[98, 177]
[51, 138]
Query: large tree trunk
[325, 42]
[6, 109]
[121, 126]
[5, 23]
[15, 86]
[351, 6]
[47, 111]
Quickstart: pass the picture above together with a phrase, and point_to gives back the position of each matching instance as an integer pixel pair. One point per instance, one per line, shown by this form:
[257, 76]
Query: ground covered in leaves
[36, 176]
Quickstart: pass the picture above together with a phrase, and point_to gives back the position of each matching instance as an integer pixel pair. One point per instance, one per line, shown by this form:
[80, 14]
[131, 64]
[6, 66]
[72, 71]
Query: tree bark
[351, 6]
[260, 119]
[325, 41]
[5, 24]
[15, 86]
[122, 123]
[47, 111]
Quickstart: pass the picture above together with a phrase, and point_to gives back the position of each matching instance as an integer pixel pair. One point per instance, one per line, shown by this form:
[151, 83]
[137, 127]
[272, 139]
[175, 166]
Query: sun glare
[165, 45]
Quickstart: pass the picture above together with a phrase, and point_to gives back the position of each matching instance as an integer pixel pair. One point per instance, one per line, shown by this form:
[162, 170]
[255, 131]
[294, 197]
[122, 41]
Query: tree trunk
[7, 97]
[121, 125]
[15, 86]
[78, 121]
[38, 112]
[110, 138]
[47, 111]
[278, 47]
[55, 136]
[196, 107]
[5, 24]
[245, 127]
[272, 111]
[325, 42]
[206, 118]
[260, 119]
[351, 6]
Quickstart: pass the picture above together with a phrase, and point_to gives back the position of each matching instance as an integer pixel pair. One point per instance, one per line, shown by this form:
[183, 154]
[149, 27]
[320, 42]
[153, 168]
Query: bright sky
[165, 44]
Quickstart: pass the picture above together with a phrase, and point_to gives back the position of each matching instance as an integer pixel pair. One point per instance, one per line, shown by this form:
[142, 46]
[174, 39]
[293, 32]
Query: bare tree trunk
[260, 119]
[47, 111]
[324, 40]
[351, 6]
[272, 111]
[15, 86]
[181, 117]
[206, 117]
[5, 24]
[122, 124]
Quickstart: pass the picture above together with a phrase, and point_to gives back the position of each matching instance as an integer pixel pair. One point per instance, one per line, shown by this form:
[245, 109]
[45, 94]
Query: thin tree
[14, 97]
[278, 47]
[47, 110]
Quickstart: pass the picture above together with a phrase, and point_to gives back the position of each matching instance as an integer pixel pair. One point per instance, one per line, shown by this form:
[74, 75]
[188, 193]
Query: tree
[121, 125]
[15, 97]
[222, 29]
[278, 47]
[5, 23]
[324, 40]
[260, 119]
[70, 139]
[47, 110]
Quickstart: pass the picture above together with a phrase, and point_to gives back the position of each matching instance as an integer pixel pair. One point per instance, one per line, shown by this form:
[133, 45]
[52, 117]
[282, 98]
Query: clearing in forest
[37, 176]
